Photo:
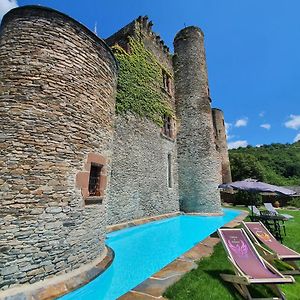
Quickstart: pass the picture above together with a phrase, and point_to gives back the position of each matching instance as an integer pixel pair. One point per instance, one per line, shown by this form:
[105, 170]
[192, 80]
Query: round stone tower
[221, 143]
[198, 160]
[58, 83]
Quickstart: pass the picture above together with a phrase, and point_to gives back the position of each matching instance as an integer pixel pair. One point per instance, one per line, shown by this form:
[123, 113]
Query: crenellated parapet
[141, 27]
[145, 27]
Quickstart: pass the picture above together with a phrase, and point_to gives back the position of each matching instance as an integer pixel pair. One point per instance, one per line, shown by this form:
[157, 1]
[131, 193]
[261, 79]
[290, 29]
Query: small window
[94, 181]
[169, 171]
[167, 129]
[166, 81]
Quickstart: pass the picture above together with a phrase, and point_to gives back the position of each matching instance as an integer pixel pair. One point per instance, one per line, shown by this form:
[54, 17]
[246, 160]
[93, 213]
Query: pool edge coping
[141, 221]
[154, 286]
[145, 220]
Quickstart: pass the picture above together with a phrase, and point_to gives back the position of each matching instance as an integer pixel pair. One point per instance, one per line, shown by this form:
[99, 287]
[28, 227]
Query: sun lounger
[249, 266]
[272, 210]
[254, 209]
[259, 234]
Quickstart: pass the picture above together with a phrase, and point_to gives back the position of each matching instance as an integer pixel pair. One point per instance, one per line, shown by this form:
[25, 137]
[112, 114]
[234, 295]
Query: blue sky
[252, 48]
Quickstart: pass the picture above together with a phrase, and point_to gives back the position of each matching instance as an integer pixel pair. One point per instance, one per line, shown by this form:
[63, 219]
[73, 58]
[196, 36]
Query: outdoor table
[273, 222]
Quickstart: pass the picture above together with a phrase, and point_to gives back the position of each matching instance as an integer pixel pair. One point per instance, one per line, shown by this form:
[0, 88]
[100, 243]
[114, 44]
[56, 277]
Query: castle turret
[221, 144]
[198, 160]
[58, 83]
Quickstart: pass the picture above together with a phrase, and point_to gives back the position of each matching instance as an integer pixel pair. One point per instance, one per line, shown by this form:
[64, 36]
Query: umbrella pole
[251, 209]
[252, 215]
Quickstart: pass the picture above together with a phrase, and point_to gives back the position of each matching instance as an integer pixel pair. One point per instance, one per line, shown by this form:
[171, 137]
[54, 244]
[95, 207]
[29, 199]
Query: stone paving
[155, 286]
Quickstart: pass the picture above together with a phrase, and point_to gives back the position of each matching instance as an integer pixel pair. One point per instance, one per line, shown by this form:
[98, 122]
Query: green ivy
[139, 83]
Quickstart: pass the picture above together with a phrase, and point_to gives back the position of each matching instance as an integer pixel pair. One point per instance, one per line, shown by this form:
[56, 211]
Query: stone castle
[71, 164]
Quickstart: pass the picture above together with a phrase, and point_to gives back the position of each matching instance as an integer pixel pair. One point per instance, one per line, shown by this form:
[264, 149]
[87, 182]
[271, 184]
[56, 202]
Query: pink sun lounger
[260, 235]
[249, 266]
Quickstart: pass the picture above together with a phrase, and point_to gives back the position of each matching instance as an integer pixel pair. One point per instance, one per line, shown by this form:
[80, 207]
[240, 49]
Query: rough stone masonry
[58, 82]
[69, 165]
[199, 166]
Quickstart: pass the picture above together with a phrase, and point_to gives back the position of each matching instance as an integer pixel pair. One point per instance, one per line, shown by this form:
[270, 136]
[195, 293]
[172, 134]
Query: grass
[205, 281]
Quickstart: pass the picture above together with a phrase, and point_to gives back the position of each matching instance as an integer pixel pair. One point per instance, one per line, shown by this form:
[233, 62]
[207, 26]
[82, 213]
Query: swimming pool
[143, 250]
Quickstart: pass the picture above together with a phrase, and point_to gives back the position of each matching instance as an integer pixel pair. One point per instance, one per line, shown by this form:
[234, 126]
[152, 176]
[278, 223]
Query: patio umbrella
[252, 185]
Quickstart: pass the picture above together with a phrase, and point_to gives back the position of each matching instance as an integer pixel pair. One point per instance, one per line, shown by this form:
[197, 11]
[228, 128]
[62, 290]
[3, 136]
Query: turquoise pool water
[143, 250]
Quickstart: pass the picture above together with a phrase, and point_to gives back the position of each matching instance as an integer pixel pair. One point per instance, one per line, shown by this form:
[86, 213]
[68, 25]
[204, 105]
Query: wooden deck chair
[259, 235]
[249, 266]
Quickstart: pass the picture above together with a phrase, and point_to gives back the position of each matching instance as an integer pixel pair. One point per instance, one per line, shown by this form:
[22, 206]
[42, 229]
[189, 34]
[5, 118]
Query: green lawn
[205, 282]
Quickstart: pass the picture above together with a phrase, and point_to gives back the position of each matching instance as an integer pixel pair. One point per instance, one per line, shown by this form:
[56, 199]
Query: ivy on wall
[139, 83]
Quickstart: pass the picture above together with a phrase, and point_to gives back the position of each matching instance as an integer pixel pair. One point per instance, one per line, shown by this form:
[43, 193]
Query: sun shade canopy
[256, 186]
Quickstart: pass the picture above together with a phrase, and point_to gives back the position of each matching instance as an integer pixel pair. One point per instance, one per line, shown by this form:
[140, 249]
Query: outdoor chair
[259, 234]
[249, 266]
[274, 223]
[255, 210]
[272, 210]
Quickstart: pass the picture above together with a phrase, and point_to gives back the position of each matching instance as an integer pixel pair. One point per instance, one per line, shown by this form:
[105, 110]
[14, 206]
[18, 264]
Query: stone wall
[141, 28]
[57, 82]
[221, 143]
[198, 160]
[139, 182]
[121, 37]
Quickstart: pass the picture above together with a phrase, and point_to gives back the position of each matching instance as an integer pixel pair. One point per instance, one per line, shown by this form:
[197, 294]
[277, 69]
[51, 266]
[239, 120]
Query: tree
[277, 164]
[245, 166]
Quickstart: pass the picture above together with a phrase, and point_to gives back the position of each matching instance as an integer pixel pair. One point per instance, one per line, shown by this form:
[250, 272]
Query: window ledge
[167, 137]
[93, 200]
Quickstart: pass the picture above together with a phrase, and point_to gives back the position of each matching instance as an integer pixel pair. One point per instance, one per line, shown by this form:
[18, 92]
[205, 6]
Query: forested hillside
[276, 163]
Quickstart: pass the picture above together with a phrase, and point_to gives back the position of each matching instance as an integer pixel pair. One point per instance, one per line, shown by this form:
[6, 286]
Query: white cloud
[6, 5]
[266, 126]
[227, 127]
[258, 145]
[261, 114]
[297, 138]
[241, 122]
[230, 136]
[237, 144]
[293, 122]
